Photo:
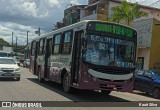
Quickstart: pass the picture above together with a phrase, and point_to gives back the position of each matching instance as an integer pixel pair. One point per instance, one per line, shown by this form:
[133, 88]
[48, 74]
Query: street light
[27, 36]
[38, 31]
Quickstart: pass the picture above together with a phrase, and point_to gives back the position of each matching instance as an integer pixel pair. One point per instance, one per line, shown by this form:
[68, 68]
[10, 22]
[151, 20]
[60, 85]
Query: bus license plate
[110, 86]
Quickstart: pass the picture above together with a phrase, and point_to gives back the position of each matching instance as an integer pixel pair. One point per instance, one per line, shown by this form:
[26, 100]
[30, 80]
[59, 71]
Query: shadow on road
[79, 95]
[7, 79]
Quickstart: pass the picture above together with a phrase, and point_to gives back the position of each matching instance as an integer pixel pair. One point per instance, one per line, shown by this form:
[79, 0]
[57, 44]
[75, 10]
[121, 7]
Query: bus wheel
[105, 92]
[156, 93]
[40, 79]
[66, 83]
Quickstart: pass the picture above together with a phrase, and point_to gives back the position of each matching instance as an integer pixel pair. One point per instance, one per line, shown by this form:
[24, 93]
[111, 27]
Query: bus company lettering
[103, 46]
[102, 39]
[115, 29]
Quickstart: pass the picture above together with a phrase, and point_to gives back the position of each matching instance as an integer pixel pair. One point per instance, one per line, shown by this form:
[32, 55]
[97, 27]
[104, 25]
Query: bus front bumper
[93, 83]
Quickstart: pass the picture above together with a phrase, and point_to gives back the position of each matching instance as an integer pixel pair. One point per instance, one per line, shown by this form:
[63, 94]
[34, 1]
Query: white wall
[144, 32]
[82, 13]
[7, 49]
[90, 17]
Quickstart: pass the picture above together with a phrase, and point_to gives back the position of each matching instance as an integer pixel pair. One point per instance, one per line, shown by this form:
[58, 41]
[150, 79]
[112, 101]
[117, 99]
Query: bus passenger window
[57, 42]
[66, 48]
[42, 47]
[33, 48]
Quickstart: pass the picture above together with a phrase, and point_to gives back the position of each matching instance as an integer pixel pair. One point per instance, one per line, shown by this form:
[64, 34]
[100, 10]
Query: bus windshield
[108, 51]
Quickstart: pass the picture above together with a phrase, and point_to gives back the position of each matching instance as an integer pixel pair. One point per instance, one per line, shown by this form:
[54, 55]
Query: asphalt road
[29, 89]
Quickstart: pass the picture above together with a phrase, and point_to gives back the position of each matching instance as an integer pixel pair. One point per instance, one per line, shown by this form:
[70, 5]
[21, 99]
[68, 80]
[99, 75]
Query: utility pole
[38, 32]
[16, 44]
[27, 37]
[12, 38]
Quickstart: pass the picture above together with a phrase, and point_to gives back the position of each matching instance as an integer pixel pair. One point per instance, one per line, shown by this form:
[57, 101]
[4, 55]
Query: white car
[9, 68]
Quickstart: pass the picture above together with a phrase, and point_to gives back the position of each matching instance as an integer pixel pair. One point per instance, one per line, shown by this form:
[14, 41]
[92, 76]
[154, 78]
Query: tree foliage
[3, 42]
[19, 48]
[126, 13]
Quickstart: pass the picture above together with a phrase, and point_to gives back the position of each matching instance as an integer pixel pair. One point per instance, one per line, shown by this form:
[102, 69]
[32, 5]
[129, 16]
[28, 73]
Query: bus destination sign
[111, 28]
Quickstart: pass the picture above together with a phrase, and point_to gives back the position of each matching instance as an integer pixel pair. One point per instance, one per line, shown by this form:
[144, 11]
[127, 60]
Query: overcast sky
[18, 16]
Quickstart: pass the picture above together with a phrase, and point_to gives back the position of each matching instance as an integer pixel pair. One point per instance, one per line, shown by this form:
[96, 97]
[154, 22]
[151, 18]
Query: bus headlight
[129, 80]
[94, 79]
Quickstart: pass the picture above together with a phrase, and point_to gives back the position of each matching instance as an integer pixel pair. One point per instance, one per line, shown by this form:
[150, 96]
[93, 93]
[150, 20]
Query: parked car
[9, 68]
[26, 63]
[148, 81]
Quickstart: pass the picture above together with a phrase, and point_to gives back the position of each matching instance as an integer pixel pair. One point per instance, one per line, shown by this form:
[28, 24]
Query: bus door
[47, 57]
[35, 58]
[75, 57]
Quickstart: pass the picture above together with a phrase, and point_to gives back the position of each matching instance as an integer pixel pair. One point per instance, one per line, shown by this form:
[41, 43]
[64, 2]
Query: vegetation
[3, 42]
[18, 48]
[127, 12]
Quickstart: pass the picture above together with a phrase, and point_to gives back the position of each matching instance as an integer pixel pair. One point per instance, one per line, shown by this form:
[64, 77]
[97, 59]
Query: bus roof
[4, 52]
[6, 58]
[81, 23]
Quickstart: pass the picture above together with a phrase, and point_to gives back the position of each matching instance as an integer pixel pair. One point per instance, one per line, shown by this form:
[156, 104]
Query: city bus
[4, 54]
[88, 55]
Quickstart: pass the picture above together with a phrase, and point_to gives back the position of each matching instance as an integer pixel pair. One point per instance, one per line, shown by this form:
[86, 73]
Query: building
[96, 9]
[101, 10]
[148, 43]
[71, 16]
[5, 51]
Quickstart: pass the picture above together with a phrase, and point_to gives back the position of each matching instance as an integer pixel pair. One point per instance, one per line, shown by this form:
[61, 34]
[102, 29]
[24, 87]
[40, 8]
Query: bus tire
[105, 92]
[156, 93]
[40, 79]
[66, 84]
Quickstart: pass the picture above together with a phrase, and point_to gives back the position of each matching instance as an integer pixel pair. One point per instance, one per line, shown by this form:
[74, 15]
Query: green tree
[127, 12]
[3, 42]
[19, 48]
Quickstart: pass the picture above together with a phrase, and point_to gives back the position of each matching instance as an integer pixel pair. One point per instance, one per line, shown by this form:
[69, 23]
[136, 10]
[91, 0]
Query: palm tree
[127, 12]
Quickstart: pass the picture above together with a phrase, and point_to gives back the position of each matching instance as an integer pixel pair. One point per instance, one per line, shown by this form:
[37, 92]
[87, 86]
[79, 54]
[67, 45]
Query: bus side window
[66, 46]
[33, 48]
[50, 47]
[40, 47]
[56, 44]
[44, 46]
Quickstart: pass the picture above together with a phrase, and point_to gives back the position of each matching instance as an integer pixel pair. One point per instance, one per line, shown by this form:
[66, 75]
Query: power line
[154, 3]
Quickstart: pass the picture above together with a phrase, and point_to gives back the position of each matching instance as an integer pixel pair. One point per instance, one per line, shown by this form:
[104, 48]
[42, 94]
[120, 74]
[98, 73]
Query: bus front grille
[104, 86]
[111, 80]
[113, 70]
